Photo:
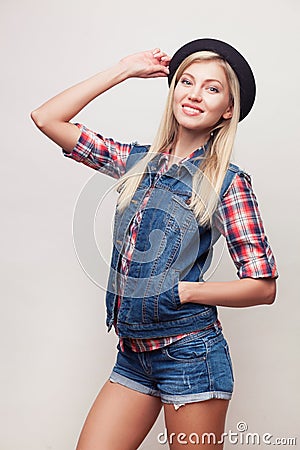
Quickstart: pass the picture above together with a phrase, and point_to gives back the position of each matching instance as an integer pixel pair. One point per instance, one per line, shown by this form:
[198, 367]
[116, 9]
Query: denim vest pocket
[169, 300]
[184, 200]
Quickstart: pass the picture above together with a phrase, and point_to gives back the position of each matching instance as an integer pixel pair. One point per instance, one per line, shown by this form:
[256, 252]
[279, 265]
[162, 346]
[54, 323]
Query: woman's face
[201, 97]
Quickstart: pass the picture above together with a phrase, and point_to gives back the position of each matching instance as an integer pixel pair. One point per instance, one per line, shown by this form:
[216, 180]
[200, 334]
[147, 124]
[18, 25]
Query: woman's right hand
[53, 117]
[149, 64]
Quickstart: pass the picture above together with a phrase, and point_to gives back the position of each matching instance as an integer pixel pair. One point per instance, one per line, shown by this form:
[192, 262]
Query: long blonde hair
[208, 179]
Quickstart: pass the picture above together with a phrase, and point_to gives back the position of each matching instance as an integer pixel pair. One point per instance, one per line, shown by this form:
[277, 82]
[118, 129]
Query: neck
[188, 142]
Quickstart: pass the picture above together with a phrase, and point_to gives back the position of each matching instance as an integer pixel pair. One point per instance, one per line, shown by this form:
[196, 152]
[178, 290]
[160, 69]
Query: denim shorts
[198, 367]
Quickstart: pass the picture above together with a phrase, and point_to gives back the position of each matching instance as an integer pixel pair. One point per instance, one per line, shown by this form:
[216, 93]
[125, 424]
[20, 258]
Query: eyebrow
[208, 80]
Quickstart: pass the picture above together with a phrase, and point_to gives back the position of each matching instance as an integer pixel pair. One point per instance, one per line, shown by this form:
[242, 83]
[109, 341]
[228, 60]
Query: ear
[228, 113]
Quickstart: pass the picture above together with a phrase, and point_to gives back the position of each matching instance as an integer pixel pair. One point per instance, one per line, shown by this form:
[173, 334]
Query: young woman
[176, 198]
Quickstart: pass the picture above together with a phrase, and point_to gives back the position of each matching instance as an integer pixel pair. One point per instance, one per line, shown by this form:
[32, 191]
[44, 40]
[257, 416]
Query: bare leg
[119, 419]
[193, 420]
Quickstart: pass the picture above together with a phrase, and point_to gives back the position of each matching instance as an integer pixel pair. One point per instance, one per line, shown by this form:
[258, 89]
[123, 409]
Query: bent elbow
[36, 117]
[40, 119]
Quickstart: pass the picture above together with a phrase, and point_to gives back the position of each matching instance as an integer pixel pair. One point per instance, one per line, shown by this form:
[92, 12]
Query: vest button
[188, 201]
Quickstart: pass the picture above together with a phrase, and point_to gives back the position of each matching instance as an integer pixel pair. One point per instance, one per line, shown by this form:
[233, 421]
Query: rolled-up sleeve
[239, 220]
[103, 154]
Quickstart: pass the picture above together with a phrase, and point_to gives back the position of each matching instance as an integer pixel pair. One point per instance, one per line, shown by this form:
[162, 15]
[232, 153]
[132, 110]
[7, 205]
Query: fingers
[159, 75]
[161, 68]
[158, 71]
[165, 70]
[156, 50]
[161, 56]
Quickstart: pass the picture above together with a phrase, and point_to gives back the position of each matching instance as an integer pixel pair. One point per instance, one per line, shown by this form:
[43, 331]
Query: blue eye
[213, 89]
[186, 82]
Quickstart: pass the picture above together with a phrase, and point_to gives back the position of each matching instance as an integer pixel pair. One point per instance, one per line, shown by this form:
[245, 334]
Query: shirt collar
[194, 154]
[189, 162]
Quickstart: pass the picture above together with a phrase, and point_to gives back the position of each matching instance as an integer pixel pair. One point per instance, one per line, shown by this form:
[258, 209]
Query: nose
[195, 95]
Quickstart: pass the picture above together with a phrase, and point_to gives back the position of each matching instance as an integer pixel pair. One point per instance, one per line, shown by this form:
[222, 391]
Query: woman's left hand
[183, 290]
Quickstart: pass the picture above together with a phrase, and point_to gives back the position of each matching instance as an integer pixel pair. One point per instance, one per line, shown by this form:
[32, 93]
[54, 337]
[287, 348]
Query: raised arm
[53, 117]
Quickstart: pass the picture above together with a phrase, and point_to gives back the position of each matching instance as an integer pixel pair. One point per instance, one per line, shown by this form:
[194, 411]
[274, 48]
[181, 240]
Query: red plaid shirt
[238, 218]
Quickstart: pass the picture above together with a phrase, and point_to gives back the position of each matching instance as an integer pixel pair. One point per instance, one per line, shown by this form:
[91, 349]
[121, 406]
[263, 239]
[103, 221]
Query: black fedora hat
[232, 56]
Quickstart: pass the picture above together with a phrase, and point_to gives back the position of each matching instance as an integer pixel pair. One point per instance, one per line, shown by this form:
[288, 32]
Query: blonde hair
[208, 179]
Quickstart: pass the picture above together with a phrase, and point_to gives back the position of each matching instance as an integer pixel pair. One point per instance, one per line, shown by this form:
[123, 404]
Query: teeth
[193, 110]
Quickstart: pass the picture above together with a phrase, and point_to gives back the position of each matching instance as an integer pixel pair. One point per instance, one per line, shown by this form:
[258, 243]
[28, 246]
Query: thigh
[119, 419]
[196, 425]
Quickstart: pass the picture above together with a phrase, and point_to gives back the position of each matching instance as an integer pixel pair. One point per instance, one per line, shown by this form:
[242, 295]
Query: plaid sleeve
[99, 153]
[241, 224]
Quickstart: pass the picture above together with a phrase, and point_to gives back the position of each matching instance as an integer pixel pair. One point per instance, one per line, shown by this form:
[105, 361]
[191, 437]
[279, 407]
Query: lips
[191, 110]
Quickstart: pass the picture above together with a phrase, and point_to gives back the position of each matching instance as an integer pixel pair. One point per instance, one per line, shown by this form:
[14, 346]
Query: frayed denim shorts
[198, 367]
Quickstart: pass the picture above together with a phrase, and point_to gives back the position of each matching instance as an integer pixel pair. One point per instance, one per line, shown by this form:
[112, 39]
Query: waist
[143, 345]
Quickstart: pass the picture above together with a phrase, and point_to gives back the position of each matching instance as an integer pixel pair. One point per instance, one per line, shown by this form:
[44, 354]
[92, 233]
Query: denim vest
[170, 247]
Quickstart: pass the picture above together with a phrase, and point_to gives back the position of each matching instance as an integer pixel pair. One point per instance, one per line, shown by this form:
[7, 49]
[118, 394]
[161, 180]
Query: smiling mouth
[191, 111]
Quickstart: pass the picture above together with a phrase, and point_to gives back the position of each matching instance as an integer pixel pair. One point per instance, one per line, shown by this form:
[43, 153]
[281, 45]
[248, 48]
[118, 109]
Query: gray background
[55, 351]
